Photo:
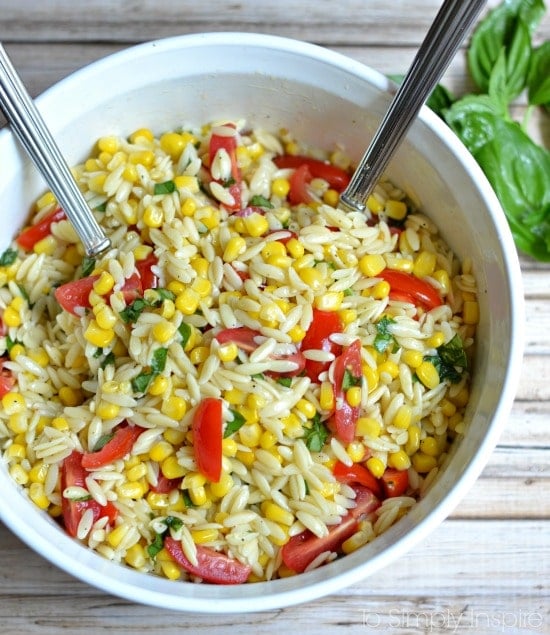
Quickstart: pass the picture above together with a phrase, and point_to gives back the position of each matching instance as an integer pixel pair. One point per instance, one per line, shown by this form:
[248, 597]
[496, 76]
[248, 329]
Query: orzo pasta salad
[250, 382]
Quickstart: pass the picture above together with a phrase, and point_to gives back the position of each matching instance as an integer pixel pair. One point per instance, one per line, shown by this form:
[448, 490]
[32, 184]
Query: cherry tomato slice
[207, 438]
[118, 447]
[303, 548]
[7, 381]
[165, 485]
[28, 238]
[229, 144]
[356, 473]
[242, 336]
[212, 566]
[149, 280]
[345, 415]
[298, 192]
[406, 284]
[323, 325]
[335, 176]
[394, 482]
[72, 473]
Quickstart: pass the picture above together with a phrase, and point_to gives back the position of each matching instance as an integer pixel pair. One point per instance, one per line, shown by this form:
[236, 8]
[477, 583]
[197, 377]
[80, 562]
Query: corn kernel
[158, 386]
[46, 245]
[461, 398]
[448, 408]
[60, 423]
[423, 463]
[413, 440]
[436, 340]
[273, 248]
[202, 286]
[234, 248]
[389, 368]
[380, 290]
[375, 466]
[203, 536]
[356, 451]
[374, 204]
[397, 210]
[135, 556]
[442, 277]
[295, 248]
[107, 410]
[163, 331]
[292, 426]
[174, 407]
[188, 208]
[329, 301]
[470, 312]
[171, 468]
[105, 317]
[70, 396]
[133, 490]
[403, 417]
[17, 422]
[307, 408]
[38, 495]
[326, 396]
[372, 264]
[40, 356]
[199, 355]
[412, 358]
[223, 486]
[276, 513]
[108, 144]
[229, 447]
[96, 182]
[296, 333]
[234, 396]
[331, 197]
[153, 216]
[256, 224]
[399, 263]
[97, 336]
[429, 446]
[280, 187]
[267, 440]
[11, 317]
[399, 460]
[46, 200]
[136, 472]
[142, 157]
[104, 284]
[198, 495]
[428, 375]
[424, 264]
[13, 402]
[38, 472]
[312, 277]
[371, 376]
[353, 396]
[249, 434]
[16, 451]
[160, 451]
[187, 301]
[246, 458]
[354, 542]
[19, 474]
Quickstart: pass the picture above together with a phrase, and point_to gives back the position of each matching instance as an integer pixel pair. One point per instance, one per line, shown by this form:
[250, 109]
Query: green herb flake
[23, 292]
[132, 312]
[108, 361]
[350, 380]
[8, 257]
[10, 343]
[384, 338]
[317, 435]
[156, 545]
[159, 360]
[164, 188]
[102, 441]
[235, 424]
[285, 381]
[187, 499]
[173, 522]
[185, 331]
[260, 201]
[102, 207]
[88, 265]
[142, 381]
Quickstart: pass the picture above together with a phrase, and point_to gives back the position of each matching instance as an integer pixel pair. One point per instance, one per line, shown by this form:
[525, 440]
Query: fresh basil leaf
[23, 292]
[285, 381]
[10, 343]
[165, 294]
[102, 207]
[173, 522]
[108, 361]
[453, 352]
[102, 441]
[384, 338]
[185, 331]
[156, 545]
[132, 312]
[445, 371]
[98, 353]
[159, 360]
[258, 376]
[440, 100]
[8, 257]
[164, 188]
[538, 78]
[316, 436]
[187, 499]
[88, 265]
[235, 424]
[229, 182]
[142, 381]
[260, 201]
[350, 380]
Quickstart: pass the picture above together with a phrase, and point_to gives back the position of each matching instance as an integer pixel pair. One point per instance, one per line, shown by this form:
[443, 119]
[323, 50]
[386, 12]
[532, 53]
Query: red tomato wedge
[207, 438]
[165, 485]
[394, 482]
[301, 550]
[7, 381]
[356, 473]
[406, 285]
[346, 367]
[298, 192]
[28, 238]
[212, 566]
[229, 144]
[323, 325]
[149, 280]
[118, 447]
[72, 473]
[335, 177]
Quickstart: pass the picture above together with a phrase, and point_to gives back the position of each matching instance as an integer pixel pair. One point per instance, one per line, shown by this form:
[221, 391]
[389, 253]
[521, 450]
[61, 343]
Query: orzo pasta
[250, 382]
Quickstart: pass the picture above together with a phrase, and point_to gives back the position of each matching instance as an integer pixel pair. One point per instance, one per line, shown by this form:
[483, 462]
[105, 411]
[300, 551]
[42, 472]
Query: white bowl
[322, 97]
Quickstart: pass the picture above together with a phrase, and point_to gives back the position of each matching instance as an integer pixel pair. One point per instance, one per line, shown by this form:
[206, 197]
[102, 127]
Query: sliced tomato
[132, 288]
[118, 447]
[356, 473]
[28, 238]
[346, 366]
[149, 280]
[229, 144]
[73, 474]
[3, 328]
[165, 485]
[335, 176]
[299, 180]
[242, 336]
[302, 549]
[212, 566]
[394, 482]
[296, 358]
[7, 381]
[323, 325]
[406, 284]
[207, 438]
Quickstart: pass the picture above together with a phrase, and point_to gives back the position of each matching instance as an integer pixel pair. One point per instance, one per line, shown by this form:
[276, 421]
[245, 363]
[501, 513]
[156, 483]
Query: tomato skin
[303, 548]
[403, 285]
[345, 415]
[394, 482]
[323, 325]
[335, 177]
[212, 566]
[165, 485]
[119, 446]
[356, 473]
[7, 381]
[207, 438]
[28, 238]
[72, 473]
[298, 192]
[149, 280]
[229, 144]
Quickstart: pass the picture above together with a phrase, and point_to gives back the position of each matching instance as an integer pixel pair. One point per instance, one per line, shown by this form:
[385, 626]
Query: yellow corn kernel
[203, 536]
[40, 356]
[296, 333]
[292, 426]
[234, 248]
[428, 375]
[442, 277]
[380, 290]
[163, 331]
[276, 513]
[307, 408]
[38, 495]
[347, 316]
[398, 263]
[107, 410]
[412, 358]
[46, 245]
[198, 495]
[16, 451]
[130, 173]
[200, 266]
[470, 312]
[303, 262]
[256, 224]
[397, 210]
[403, 417]
[135, 556]
[312, 277]
[136, 472]
[223, 486]
[234, 396]
[202, 286]
[280, 187]
[104, 284]
[97, 336]
[423, 463]
[186, 182]
[371, 265]
[461, 398]
[436, 340]
[60, 423]
[326, 396]
[229, 447]
[38, 472]
[267, 440]
[174, 407]
[228, 352]
[424, 264]
[153, 216]
[104, 316]
[13, 402]
[188, 208]
[96, 182]
[356, 451]
[389, 368]
[295, 248]
[160, 451]
[171, 468]
[142, 157]
[353, 396]
[399, 460]
[273, 248]
[375, 466]
[116, 535]
[108, 144]
[331, 197]
[19, 474]
[238, 225]
[172, 143]
[11, 317]
[176, 287]
[157, 501]
[158, 386]
[246, 458]
[17, 422]
[374, 204]
[187, 301]
[46, 200]
[72, 256]
[329, 301]
[448, 408]
[70, 396]
[104, 158]
[413, 440]
[429, 446]
[368, 427]
[199, 355]
[249, 434]
[371, 376]
[133, 490]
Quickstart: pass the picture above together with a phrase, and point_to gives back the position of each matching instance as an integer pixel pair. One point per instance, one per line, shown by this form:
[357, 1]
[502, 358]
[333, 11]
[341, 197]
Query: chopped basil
[384, 338]
[450, 360]
[187, 499]
[102, 207]
[98, 353]
[109, 360]
[23, 292]
[102, 441]
[348, 292]
[10, 343]
[163, 294]
[317, 435]
[88, 265]
[8, 257]
[173, 522]
[185, 331]
[285, 381]
[156, 545]
[350, 380]
[164, 188]
[258, 376]
[260, 201]
[159, 360]
[229, 182]
[132, 312]
[233, 425]
[142, 381]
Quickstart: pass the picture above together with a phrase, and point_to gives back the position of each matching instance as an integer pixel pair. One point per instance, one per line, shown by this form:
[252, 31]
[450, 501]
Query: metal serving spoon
[29, 127]
[442, 41]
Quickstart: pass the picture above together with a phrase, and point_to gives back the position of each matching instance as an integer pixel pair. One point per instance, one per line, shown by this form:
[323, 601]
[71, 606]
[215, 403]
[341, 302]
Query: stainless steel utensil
[31, 130]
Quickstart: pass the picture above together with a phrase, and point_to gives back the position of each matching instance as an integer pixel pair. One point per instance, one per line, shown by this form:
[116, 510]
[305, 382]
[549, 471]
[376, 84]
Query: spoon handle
[29, 127]
[442, 41]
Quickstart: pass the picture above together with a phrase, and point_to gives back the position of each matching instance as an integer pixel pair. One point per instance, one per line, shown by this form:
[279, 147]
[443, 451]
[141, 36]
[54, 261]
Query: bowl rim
[187, 597]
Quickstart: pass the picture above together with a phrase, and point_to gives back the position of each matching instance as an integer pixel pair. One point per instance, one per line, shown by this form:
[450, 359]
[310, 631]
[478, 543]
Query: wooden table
[484, 570]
